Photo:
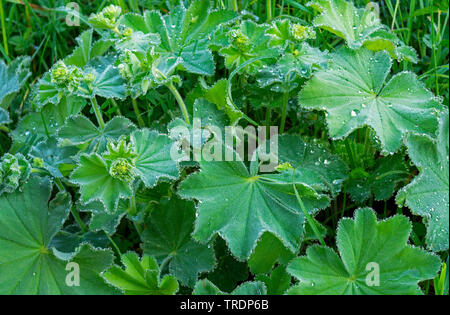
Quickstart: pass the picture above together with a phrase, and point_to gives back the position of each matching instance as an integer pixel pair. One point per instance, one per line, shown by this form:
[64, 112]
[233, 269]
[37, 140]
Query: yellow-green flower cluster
[108, 18]
[300, 32]
[122, 169]
[121, 156]
[239, 40]
[69, 77]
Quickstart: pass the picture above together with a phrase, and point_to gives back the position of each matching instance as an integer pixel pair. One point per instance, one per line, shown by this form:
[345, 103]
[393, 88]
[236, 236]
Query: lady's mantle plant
[90, 177]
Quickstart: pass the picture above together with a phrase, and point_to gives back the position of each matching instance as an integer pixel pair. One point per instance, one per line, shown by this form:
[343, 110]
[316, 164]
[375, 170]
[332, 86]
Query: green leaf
[69, 239]
[53, 156]
[284, 33]
[97, 182]
[54, 115]
[277, 283]
[168, 234]
[387, 173]
[183, 33]
[365, 247]
[87, 49]
[4, 117]
[228, 272]
[28, 265]
[240, 206]
[79, 130]
[103, 220]
[284, 76]
[12, 78]
[47, 91]
[310, 234]
[138, 42]
[108, 82]
[357, 94]
[427, 195]
[218, 95]
[140, 277]
[267, 253]
[153, 161]
[359, 28]
[206, 287]
[14, 172]
[108, 18]
[246, 42]
[316, 166]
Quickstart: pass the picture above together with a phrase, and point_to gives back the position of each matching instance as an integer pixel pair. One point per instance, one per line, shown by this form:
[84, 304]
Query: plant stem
[117, 107]
[133, 209]
[165, 263]
[269, 10]
[235, 6]
[60, 185]
[114, 244]
[138, 113]
[44, 124]
[366, 141]
[344, 201]
[349, 153]
[77, 218]
[133, 212]
[309, 218]
[180, 101]
[284, 111]
[268, 120]
[98, 113]
[5, 39]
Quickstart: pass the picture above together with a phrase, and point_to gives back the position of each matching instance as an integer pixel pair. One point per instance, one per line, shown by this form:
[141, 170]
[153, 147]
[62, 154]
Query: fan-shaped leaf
[374, 259]
[87, 49]
[153, 159]
[206, 287]
[428, 194]
[140, 276]
[78, 130]
[168, 234]
[240, 205]
[97, 183]
[28, 264]
[357, 94]
[12, 78]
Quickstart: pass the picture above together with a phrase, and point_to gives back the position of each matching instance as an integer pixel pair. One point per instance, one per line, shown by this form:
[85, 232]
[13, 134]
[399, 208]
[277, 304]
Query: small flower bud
[122, 169]
[300, 32]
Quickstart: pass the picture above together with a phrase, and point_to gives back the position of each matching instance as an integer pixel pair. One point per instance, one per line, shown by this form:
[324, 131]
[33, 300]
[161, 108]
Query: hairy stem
[77, 218]
[165, 263]
[114, 245]
[132, 212]
[180, 101]
[60, 185]
[284, 111]
[45, 125]
[98, 113]
[116, 106]
[349, 153]
[344, 201]
[268, 120]
[269, 10]
[138, 113]
[309, 218]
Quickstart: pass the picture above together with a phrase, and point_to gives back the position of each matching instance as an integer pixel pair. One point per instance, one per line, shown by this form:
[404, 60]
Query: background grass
[38, 29]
